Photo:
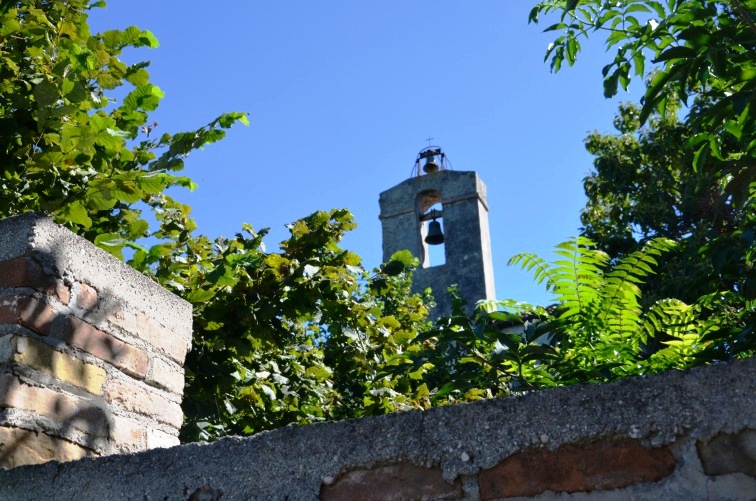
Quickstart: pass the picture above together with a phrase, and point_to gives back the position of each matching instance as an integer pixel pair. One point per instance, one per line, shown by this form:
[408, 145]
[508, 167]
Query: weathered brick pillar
[91, 351]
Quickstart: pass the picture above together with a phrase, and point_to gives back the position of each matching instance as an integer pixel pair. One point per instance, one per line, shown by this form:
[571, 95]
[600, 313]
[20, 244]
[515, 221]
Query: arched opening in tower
[431, 229]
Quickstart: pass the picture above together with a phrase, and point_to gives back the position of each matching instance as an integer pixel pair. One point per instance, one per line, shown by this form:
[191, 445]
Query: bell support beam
[432, 214]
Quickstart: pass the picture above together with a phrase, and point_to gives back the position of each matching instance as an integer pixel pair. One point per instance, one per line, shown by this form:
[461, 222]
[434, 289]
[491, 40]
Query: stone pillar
[91, 351]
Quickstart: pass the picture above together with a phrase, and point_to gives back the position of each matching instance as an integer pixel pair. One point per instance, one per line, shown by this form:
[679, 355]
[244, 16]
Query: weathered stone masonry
[91, 352]
[462, 195]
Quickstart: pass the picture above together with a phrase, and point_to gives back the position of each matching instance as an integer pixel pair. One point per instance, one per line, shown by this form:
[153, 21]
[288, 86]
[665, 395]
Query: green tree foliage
[294, 336]
[695, 180]
[702, 49]
[643, 187]
[703, 52]
[66, 147]
[597, 331]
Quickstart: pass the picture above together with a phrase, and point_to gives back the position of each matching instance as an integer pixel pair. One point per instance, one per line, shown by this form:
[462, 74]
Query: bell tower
[441, 217]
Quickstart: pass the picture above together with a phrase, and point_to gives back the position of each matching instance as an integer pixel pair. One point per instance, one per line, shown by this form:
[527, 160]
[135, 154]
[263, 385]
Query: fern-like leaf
[677, 325]
[532, 263]
[621, 293]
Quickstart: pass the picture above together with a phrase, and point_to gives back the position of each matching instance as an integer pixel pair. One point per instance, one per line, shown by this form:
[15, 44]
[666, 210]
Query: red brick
[166, 375]
[64, 366]
[167, 341]
[63, 293]
[62, 408]
[8, 311]
[150, 330]
[391, 482]
[576, 468]
[25, 272]
[27, 311]
[157, 439]
[20, 447]
[127, 435]
[102, 345]
[86, 297]
[140, 399]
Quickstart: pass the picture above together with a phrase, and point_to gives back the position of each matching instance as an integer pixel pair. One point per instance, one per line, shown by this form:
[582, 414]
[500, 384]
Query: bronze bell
[435, 235]
[430, 167]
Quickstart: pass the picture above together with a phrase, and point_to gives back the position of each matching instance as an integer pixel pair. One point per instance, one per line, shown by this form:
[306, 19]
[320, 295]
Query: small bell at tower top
[431, 159]
[430, 165]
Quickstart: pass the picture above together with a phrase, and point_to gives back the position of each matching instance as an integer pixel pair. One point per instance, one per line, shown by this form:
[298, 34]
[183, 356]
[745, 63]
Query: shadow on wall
[58, 372]
[91, 351]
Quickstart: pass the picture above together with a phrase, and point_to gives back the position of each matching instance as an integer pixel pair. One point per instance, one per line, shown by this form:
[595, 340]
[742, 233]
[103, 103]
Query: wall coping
[61, 252]
[295, 462]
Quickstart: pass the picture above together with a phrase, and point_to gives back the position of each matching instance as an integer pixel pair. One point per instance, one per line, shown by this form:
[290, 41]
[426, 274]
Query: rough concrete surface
[57, 248]
[676, 409]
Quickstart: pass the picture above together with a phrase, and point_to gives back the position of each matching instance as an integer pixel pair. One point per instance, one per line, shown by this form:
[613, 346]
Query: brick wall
[91, 352]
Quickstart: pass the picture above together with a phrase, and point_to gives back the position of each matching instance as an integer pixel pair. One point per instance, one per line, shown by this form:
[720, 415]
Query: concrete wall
[91, 352]
[675, 436]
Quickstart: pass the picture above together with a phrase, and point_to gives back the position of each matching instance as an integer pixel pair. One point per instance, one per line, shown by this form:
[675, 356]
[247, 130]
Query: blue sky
[341, 96]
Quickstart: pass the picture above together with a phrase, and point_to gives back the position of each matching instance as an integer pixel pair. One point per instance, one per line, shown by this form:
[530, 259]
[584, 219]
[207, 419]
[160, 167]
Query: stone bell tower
[441, 217]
